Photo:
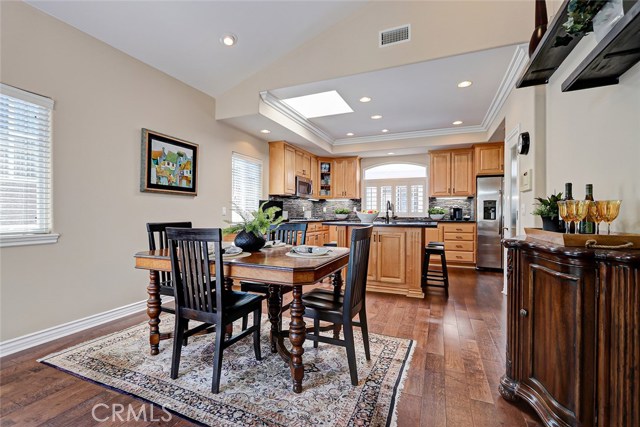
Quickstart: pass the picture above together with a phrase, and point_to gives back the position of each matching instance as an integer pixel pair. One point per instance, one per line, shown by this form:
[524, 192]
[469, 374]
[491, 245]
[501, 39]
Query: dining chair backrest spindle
[356, 281]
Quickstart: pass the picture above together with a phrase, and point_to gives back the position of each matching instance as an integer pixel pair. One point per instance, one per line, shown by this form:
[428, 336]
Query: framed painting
[169, 165]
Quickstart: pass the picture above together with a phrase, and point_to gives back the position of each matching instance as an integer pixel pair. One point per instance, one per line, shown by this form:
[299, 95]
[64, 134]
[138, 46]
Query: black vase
[540, 26]
[550, 224]
[249, 242]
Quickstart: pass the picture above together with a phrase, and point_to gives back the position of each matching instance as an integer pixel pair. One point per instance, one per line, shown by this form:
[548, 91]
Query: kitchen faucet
[389, 208]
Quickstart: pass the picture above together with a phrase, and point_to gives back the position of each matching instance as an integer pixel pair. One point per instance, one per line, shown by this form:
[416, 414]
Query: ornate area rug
[252, 393]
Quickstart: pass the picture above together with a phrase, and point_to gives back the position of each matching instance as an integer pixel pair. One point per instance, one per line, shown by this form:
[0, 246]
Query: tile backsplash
[297, 207]
[468, 205]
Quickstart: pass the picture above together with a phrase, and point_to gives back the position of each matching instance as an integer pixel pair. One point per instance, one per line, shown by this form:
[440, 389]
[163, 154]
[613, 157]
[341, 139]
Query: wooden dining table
[272, 266]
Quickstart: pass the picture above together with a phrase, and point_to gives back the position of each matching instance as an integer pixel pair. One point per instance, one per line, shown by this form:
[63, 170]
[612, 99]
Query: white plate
[228, 250]
[311, 251]
[274, 244]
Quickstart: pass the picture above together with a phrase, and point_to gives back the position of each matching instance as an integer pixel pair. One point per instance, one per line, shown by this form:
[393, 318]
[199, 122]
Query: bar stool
[440, 276]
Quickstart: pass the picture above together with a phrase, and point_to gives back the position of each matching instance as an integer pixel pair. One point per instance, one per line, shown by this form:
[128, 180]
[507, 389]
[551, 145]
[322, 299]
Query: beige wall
[102, 100]
[587, 136]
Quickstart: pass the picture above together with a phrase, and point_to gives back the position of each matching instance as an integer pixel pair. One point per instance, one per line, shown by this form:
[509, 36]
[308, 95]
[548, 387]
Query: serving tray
[580, 240]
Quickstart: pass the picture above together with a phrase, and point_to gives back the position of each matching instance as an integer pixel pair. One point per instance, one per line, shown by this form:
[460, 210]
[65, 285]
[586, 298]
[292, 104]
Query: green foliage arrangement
[258, 223]
[437, 210]
[580, 15]
[547, 208]
[342, 211]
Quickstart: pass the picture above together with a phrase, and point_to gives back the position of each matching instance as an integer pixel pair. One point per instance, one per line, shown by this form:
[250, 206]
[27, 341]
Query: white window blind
[246, 185]
[25, 162]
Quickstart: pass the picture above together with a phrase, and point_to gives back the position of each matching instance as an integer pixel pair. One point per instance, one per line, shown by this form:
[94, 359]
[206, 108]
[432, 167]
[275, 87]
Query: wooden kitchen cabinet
[573, 333]
[282, 169]
[346, 178]
[303, 164]
[489, 158]
[387, 256]
[459, 242]
[451, 173]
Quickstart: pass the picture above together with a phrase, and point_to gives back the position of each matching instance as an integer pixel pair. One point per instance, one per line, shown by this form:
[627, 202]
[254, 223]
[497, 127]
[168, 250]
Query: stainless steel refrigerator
[489, 221]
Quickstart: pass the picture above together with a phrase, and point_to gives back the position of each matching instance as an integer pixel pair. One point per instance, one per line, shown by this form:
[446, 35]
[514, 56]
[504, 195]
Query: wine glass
[609, 210]
[562, 211]
[571, 213]
[594, 215]
[581, 209]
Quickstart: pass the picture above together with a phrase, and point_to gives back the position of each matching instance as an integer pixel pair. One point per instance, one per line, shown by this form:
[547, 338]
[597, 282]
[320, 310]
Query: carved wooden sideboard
[573, 333]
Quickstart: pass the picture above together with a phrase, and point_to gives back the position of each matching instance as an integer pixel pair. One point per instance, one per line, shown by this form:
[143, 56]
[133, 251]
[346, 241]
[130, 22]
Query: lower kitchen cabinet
[573, 333]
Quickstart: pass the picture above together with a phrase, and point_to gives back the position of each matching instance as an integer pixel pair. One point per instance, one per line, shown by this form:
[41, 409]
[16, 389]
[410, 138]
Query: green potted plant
[437, 213]
[547, 209]
[252, 230]
[342, 213]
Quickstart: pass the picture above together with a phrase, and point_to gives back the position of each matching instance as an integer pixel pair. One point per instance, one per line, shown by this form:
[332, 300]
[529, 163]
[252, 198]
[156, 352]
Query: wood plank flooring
[452, 381]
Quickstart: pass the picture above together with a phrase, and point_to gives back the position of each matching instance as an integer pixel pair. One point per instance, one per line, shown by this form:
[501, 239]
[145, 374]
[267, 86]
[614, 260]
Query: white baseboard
[36, 338]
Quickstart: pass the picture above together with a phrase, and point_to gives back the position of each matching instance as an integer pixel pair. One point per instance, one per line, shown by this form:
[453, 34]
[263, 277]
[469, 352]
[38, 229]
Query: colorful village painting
[170, 164]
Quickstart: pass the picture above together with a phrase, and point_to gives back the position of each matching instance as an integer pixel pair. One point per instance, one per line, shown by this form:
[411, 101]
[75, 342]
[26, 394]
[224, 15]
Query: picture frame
[169, 165]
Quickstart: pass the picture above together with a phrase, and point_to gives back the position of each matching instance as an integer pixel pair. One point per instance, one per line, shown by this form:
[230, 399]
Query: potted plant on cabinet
[547, 209]
[253, 228]
[437, 213]
[342, 213]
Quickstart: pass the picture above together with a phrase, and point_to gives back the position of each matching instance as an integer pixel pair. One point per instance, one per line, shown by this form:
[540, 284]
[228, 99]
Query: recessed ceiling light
[319, 104]
[376, 117]
[391, 153]
[465, 83]
[350, 134]
[365, 99]
[385, 130]
[457, 122]
[228, 39]
[265, 131]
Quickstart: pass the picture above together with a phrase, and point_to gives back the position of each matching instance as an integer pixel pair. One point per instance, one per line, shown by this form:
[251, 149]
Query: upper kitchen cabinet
[489, 158]
[303, 164]
[282, 169]
[451, 173]
[346, 178]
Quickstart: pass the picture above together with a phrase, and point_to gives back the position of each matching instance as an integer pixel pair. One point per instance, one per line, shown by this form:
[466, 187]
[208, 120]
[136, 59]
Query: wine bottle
[587, 226]
[569, 196]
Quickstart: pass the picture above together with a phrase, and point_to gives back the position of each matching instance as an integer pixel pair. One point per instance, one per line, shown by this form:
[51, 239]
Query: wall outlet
[224, 211]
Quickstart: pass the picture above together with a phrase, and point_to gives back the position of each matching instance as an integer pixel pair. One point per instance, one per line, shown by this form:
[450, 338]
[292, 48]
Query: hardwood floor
[452, 381]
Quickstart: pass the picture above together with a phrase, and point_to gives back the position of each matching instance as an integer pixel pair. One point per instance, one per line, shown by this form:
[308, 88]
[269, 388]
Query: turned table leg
[337, 288]
[297, 335]
[274, 307]
[153, 311]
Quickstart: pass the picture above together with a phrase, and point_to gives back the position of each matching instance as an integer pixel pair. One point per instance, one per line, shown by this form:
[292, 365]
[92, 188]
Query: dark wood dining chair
[291, 234]
[157, 233]
[323, 305]
[201, 298]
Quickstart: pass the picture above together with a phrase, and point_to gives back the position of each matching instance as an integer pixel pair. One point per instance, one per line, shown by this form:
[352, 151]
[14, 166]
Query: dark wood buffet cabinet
[573, 333]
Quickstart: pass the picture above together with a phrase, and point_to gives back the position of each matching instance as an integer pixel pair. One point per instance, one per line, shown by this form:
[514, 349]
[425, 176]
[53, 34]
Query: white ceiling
[181, 38]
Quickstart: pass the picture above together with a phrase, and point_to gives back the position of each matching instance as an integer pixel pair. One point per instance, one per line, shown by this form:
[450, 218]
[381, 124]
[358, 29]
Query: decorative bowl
[342, 216]
[367, 218]
[437, 217]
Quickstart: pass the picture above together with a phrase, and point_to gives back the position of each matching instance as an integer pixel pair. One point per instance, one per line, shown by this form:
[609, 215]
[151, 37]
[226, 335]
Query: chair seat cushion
[322, 300]
[234, 300]
[262, 288]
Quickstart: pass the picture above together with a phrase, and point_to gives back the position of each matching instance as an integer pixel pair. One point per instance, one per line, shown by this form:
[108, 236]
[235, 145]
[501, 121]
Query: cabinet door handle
[523, 312]
[458, 246]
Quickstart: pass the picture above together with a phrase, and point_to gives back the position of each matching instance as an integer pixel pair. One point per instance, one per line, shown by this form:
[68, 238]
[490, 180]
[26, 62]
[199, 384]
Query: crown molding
[275, 103]
[519, 60]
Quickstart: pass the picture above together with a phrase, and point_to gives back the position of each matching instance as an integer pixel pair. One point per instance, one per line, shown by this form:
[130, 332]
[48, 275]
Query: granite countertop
[398, 223]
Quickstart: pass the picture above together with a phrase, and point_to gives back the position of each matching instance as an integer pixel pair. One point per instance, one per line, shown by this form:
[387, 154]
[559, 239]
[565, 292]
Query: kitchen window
[403, 184]
[25, 168]
[246, 185]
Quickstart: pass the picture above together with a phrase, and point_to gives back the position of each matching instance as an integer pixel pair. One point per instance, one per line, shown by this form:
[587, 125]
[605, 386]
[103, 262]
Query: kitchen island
[396, 254]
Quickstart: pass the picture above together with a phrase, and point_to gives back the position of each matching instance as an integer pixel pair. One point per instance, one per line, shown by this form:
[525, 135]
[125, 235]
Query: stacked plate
[310, 251]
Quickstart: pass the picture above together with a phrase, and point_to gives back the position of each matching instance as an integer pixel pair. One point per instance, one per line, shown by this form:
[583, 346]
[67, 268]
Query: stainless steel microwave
[303, 187]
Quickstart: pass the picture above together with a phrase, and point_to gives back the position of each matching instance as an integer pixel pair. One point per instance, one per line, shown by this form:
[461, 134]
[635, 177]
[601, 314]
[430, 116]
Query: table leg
[153, 311]
[337, 288]
[297, 335]
[274, 307]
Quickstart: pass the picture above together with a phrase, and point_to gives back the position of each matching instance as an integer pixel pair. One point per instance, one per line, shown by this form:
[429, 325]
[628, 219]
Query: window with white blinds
[25, 162]
[246, 185]
[402, 184]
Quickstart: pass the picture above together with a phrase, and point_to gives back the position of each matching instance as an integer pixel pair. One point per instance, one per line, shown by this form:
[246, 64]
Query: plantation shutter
[246, 185]
[25, 162]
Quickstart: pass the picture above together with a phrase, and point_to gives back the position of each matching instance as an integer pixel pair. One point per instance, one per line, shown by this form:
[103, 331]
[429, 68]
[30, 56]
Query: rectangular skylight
[319, 104]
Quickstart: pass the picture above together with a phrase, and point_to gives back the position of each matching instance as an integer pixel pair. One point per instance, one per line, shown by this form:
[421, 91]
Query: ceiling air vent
[395, 35]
